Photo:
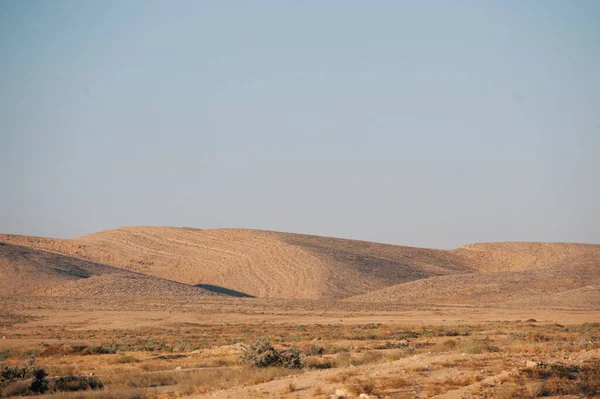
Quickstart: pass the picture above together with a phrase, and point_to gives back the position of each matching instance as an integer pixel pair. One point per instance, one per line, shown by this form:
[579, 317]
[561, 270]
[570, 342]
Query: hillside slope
[26, 271]
[258, 263]
[519, 256]
[511, 274]
[285, 265]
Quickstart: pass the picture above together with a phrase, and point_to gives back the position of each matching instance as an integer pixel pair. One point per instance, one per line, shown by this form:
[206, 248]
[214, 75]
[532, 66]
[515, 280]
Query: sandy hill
[519, 256]
[26, 271]
[284, 265]
[509, 274]
[258, 263]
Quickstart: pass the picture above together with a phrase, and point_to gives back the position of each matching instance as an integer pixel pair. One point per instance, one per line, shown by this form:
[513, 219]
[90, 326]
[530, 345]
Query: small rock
[529, 363]
[178, 368]
[341, 393]
[4, 337]
[364, 396]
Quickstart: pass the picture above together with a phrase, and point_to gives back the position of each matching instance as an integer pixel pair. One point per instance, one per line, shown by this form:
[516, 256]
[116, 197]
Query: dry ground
[183, 349]
[159, 312]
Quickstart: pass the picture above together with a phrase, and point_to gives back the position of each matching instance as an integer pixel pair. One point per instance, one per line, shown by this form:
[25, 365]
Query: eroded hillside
[257, 263]
[284, 265]
[30, 272]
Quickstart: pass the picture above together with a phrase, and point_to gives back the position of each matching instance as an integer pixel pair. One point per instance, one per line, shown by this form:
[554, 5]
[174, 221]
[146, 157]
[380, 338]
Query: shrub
[73, 383]
[80, 349]
[32, 380]
[316, 350]
[23, 380]
[262, 354]
[563, 379]
[292, 359]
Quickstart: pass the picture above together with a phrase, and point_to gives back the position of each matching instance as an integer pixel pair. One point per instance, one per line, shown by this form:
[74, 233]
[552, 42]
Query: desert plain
[165, 312]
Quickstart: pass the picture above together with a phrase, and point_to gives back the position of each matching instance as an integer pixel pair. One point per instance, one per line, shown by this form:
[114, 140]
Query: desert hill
[510, 274]
[25, 271]
[519, 256]
[258, 263]
[285, 265]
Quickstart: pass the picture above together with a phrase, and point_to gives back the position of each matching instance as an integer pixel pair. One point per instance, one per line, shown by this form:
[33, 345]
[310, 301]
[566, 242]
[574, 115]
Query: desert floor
[189, 348]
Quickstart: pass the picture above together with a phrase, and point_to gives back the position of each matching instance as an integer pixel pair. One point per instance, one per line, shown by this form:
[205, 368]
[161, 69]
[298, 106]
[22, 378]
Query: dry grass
[362, 385]
[208, 380]
[214, 369]
[441, 358]
[342, 377]
[291, 387]
[121, 394]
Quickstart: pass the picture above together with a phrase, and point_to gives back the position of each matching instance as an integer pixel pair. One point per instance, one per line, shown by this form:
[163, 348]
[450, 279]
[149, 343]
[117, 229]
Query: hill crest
[286, 265]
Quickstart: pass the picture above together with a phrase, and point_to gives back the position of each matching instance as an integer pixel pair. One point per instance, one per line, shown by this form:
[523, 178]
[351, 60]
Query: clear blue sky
[424, 123]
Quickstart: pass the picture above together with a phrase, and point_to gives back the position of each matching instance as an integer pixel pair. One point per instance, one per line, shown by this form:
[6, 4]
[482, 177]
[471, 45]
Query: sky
[421, 123]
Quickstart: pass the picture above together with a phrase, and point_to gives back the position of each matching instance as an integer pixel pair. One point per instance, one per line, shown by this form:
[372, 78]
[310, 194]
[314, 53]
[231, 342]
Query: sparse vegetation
[22, 380]
[33, 380]
[93, 330]
[466, 354]
[262, 354]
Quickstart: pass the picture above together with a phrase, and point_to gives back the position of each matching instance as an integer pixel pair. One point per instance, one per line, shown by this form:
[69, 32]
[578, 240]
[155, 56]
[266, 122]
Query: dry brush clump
[71, 383]
[262, 354]
[552, 379]
[33, 380]
[561, 379]
[22, 380]
[80, 349]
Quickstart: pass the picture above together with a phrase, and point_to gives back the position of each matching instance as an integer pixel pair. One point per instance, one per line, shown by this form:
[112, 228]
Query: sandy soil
[284, 265]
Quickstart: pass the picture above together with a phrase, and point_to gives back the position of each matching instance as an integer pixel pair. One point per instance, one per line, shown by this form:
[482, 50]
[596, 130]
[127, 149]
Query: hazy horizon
[429, 124]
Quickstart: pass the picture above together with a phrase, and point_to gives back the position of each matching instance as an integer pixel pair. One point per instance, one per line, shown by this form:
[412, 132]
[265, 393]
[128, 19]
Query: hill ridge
[27, 271]
[271, 264]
